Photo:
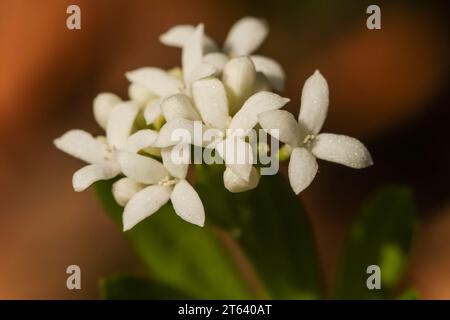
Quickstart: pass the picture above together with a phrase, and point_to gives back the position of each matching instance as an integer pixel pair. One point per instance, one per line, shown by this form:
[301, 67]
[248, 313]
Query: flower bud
[235, 184]
[103, 104]
[124, 189]
[238, 78]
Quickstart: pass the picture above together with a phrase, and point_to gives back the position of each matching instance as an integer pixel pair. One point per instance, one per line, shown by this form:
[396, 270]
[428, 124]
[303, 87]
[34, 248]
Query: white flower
[227, 93]
[211, 103]
[244, 37]
[151, 85]
[304, 138]
[149, 184]
[101, 152]
[239, 79]
[96, 152]
[210, 97]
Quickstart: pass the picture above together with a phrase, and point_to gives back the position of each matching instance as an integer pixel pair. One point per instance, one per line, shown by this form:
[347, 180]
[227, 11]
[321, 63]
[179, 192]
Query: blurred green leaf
[382, 236]
[180, 255]
[409, 294]
[272, 228]
[131, 287]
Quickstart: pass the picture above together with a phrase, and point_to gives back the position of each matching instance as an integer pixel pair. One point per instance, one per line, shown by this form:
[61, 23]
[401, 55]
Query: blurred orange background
[388, 87]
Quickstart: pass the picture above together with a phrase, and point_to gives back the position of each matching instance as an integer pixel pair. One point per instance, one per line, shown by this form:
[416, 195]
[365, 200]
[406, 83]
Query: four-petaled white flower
[304, 139]
[100, 152]
[149, 184]
[244, 38]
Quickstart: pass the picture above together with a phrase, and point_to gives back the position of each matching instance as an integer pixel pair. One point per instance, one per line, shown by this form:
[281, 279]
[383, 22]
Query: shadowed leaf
[382, 236]
[271, 226]
[184, 257]
[130, 287]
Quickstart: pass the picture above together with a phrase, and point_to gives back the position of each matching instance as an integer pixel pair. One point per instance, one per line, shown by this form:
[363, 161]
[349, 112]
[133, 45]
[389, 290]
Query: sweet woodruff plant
[230, 91]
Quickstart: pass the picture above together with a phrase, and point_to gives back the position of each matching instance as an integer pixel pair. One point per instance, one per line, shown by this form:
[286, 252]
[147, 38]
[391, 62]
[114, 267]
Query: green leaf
[272, 228]
[180, 255]
[409, 294]
[382, 236]
[131, 287]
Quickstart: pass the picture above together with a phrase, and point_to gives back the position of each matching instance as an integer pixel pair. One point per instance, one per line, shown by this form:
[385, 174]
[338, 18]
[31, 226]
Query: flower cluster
[230, 92]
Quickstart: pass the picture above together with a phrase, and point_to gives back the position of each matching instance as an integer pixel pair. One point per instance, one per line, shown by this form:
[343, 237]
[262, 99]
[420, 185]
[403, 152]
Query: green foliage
[268, 230]
[130, 287]
[272, 228]
[409, 294]
[268, 223]
[382, 236]
[183, 256]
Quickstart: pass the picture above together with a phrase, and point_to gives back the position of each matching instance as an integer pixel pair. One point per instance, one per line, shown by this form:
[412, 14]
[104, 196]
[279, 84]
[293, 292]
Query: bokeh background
[389, 88]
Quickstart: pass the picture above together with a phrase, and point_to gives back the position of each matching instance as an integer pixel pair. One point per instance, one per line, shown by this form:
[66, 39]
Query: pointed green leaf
[382, 236]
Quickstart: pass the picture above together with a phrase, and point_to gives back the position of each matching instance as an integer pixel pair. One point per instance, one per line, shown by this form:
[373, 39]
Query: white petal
[245, 36]
[314, 106]
[139, 94]
[152, 111]
[141, 168]
[341, 149]
[302, 169]
[192, 54]
[178, 131]
[238, 78]
[238, 156]
[179, 106]
[178, 35]
[217, 59]
[234, 183]
[140, 140]
[124, 189]
[263, 101]
[89, 174]
[271, 69]
[103, 105]
[187, 203]
[204, 70]
[82, 145]
[211, 101]
[156, 80]
[288, 129]
[176, 160]
[143, 204]
[120, 123]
